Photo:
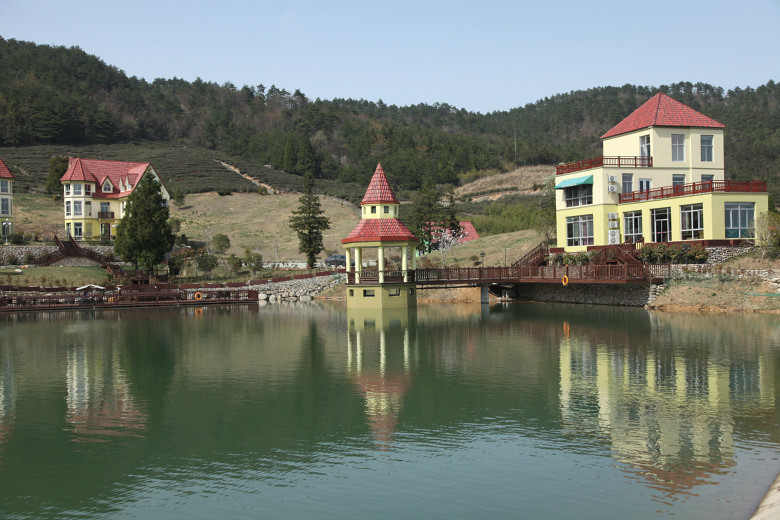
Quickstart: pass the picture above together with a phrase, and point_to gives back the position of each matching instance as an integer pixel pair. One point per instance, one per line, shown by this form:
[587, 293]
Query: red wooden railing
[595, 162]
[693, 189]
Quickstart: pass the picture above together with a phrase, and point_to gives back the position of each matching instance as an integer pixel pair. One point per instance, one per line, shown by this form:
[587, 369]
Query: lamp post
[6, 230]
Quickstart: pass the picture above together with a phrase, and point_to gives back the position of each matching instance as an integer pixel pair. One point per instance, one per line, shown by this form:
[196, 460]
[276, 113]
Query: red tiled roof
[380, 229]
[5, 173]
[661, 110]
[97, 171]
[379, 191]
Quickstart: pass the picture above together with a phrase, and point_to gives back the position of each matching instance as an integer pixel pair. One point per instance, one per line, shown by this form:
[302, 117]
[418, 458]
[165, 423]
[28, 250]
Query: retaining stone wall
[21, 251]
[718, 255]
[628, 295]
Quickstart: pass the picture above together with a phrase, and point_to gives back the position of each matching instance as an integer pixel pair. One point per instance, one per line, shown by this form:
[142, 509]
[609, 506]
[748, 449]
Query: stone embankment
[296, 290]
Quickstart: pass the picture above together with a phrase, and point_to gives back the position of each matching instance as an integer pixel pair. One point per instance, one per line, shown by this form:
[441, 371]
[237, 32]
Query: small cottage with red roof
[380, 229]
[95, 193]
[661, 179]
[6, 201]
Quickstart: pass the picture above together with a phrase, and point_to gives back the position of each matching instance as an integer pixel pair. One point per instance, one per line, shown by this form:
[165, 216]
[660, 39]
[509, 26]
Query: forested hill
[58, 95]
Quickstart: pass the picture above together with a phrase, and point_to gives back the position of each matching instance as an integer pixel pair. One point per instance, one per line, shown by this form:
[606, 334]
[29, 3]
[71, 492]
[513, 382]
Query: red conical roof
[379, 191]
[5, 173]
[661, 110]
[380, 230]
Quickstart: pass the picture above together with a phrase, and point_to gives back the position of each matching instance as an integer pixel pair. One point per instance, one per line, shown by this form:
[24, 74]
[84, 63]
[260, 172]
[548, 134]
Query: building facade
[661, 179]
[6, 202]
[95, 193]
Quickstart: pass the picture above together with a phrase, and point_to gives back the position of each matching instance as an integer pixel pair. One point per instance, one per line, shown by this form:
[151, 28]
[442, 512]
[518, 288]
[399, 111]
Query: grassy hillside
[259, 222]
[526, 180]
[37, 214]
[189, 168]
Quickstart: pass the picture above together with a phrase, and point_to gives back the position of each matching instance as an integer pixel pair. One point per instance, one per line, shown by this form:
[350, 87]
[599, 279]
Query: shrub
[110, 256]
[220, 242]
[11, 260]
[223, 191]
[234, 264]
[16, 239]
[181, 240]
[56, 197]
[262, 190]
[29, 258]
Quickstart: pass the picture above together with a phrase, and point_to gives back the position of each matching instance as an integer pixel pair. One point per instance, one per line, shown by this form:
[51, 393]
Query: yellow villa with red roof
[661, 179]
[6, 201]
[95, 193]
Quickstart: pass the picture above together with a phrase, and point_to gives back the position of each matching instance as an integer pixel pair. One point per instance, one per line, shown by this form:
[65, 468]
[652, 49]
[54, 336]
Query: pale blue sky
[482, 56]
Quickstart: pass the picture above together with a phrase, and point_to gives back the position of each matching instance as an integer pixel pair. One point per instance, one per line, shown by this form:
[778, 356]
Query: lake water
[517, 411]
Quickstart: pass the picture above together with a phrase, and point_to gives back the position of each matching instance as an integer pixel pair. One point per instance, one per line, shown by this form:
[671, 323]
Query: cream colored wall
[365, 212]
[712, 207]
[381, 298]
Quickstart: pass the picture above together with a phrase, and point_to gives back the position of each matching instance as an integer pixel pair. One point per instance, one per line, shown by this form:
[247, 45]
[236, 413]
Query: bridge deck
[609, 274]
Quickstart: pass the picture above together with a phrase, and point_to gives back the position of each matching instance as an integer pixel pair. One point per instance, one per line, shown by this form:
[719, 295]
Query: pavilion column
[404, 266]
[381, 263]
[348, 257]
[414, 260]
[358, 264]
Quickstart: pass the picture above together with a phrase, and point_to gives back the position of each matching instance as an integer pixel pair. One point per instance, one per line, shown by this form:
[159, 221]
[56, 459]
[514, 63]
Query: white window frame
[678, 147]
[77, 188]
[77, 208]
[632, 226]
[579, 230]
[660, 216]
[87, 208]
[78, 230]
[88, 189]
[107, 187]
[5, 206]
[740, 219]
[678, 179]
[644, 145]
[581, 195]
[692, 221]
[627, 181]
[67, 190]
[67, 208]
[707, 148]
[5, 186]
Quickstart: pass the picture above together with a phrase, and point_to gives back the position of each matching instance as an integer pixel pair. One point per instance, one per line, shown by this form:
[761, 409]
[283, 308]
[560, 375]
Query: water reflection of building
[7, 395]
[99, 400]
[667, 413]
[379, 358]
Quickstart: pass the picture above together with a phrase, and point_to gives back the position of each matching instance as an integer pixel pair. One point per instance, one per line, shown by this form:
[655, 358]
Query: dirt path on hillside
[248, 177]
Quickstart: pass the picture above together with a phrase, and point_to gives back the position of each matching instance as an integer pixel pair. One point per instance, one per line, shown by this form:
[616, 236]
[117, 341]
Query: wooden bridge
[470, 276]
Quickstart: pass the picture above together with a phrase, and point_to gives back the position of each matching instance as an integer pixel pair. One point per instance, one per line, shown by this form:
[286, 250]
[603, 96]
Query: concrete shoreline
[769, 507]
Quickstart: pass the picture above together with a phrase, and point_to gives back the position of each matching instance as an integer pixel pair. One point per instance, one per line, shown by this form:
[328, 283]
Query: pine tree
[306, 160]
[309, 223]
[425, 208]
[57, 168]
[144, 235]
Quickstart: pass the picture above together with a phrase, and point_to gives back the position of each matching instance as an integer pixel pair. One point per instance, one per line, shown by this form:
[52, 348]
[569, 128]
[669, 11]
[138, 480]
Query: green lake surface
[522, 410]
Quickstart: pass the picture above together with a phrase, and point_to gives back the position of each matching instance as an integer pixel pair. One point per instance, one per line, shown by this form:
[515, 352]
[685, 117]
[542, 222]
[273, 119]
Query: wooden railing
[105, 214]
[370, 276]
[535, 256]
[693, 189]
[595, 162]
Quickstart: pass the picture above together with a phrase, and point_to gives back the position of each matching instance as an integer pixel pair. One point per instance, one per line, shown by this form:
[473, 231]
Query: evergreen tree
[57, 168]
[309, 223]
[290, 158]
[144, 234]
[425, 208]
[306, 160]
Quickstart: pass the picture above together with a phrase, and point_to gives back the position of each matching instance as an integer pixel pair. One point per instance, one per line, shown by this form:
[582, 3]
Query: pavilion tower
[379, 228]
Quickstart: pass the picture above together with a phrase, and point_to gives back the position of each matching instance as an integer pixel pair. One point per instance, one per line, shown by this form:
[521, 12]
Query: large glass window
[644, 145]
[661, 220]
[628, 182]
[632, 226]
[67, 189]
[107, 187]
[67, 208]
[740, 219]
[5, 206]
[77, 208]
[579, 195]
[77, 230]
[692, 222]
[77, 188]
[678, 147]
[706, 148]
[579, 230]
[88, 208]
[678, 179]
[5, 186]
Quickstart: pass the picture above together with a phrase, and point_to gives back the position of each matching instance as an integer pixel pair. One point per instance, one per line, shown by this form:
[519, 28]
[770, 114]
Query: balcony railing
[595, 162]
[105, 214]
[693, 189]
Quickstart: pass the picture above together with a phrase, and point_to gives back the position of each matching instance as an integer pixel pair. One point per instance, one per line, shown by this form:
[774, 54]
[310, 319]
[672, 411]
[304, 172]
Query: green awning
[568, 183]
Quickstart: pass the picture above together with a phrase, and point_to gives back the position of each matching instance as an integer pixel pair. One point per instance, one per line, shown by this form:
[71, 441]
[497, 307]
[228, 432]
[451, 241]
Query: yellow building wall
[358, 296]
[379, 211]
